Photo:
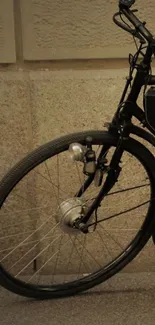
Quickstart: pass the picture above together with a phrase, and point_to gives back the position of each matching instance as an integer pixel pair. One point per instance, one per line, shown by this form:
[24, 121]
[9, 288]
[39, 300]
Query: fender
[133, 129]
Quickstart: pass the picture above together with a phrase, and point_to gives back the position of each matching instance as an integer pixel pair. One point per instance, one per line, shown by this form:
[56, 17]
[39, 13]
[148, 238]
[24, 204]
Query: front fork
[113, 173]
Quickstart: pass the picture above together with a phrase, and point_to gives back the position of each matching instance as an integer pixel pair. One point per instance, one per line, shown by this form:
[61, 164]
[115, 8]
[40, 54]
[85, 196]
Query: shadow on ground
[125, 299]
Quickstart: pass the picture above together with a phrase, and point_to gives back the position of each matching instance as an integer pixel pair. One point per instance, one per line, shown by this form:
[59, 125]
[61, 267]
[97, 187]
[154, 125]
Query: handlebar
[140, 26]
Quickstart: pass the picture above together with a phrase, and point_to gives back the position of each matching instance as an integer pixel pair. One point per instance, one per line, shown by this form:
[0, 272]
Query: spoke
[117, 192]
[29, 210]
[36, 187]
[34, 258]
[57, 257]
[13, 235]
[104, 243]
[107, 233]
[47, 262]
[58, 177]
[19, 224]
[71, 252]
[86, 266]
[26, 238]
[121, 213]
[41, 188]
[25, 244]
[20, 196]
[51, 182]
[47, 251]
[81, 258]
[127, 189]
[45, 236]
[90, 254]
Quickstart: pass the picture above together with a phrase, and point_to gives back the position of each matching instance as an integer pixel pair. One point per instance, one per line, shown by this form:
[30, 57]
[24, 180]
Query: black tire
[41, 154]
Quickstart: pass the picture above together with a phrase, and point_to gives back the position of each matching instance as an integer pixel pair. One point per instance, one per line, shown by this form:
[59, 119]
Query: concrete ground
[126, 299]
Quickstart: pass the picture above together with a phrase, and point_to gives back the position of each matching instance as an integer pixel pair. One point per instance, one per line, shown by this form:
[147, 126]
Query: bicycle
[61, 223]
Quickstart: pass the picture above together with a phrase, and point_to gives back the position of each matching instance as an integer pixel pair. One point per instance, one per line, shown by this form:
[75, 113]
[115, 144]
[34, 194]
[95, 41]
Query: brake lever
[119, 24]
[133, 32]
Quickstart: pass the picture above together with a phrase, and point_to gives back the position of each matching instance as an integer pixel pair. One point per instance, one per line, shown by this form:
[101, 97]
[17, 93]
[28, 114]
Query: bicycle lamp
[77, 151]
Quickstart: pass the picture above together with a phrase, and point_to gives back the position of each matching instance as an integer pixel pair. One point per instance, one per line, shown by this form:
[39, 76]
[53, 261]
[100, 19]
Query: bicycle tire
[43, 153]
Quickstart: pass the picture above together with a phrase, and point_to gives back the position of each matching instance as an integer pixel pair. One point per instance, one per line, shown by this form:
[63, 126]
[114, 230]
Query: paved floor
[125, 299]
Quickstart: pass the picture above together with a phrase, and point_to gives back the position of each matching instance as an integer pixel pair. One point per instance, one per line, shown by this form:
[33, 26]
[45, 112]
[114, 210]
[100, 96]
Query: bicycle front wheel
[40, 256]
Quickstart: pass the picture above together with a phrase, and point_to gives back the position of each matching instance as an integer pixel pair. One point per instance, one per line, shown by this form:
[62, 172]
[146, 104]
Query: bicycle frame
[131, 108]
[121, 126]
[122, 121]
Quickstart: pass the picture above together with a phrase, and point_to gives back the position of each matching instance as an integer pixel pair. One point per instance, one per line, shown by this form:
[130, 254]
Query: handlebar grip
[138, 24]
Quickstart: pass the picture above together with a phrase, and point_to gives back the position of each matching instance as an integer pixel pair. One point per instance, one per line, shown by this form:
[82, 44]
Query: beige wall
[7, 35]
[46, 30]
[41, 99]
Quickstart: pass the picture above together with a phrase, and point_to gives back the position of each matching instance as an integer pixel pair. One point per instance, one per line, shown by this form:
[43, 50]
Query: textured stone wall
[70, 29]
[7, 36]
[76, 29]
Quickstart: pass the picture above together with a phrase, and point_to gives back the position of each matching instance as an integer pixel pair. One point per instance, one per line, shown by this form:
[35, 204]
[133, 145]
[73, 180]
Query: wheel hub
[69, 211]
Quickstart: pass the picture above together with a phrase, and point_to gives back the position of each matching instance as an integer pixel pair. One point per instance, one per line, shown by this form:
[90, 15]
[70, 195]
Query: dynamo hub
[70, 211]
